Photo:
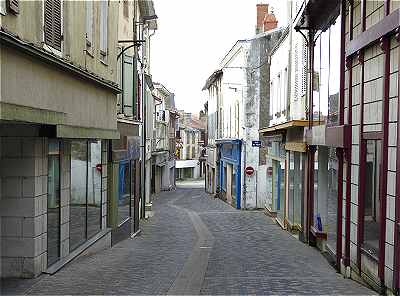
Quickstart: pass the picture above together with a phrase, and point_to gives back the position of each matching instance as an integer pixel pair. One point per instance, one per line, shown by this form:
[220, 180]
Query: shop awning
[286, 125]
[317, 14]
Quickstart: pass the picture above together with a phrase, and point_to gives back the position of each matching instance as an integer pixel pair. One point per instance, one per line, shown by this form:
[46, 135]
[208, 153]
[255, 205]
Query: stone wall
[23, 206]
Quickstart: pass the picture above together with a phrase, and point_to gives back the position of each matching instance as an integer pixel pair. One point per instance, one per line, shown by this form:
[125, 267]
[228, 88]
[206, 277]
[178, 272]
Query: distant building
[163, 143]
[189, 147]
[237, 100]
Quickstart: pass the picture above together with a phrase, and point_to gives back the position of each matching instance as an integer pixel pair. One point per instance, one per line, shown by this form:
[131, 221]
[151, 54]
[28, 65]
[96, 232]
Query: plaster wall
[279, 83]
[28, 25]
[56, 97]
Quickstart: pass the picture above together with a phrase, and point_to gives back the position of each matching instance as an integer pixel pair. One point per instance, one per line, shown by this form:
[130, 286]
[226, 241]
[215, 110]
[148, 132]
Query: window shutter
[128, 85]
[89, 22]
[13, 6]
[52, 23]
[126, 8]
[296, 73]
[57, 33]
[48, 22]
[3, 8]
[103, 26]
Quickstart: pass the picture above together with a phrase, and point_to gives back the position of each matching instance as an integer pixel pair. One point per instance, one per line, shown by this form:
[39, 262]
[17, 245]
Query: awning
[76, 132]
[180, 164]
[317, 14]
[286, 125]
[213, 77]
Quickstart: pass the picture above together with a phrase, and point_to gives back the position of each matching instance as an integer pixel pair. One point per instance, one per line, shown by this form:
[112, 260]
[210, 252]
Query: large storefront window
[53, 203]
[233, 188]
[295, 183]
[85, 211]
[276, 177]
[326, 75]
[94, 188]
[124, 191]
[224, 180]
[371, 197]
[332, 199]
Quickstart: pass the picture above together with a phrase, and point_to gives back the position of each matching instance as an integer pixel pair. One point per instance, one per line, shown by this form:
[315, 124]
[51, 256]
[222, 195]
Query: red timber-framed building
[366, 136]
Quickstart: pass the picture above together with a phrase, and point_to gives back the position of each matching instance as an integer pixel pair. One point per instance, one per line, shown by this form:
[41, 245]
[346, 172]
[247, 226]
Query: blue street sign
[256, 143]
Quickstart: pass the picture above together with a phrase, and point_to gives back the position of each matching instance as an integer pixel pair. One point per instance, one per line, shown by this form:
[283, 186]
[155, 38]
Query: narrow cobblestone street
[198, 245]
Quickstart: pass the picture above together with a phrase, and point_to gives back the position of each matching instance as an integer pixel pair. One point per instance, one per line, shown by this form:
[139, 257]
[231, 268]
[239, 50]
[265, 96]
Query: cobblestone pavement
[195, 244]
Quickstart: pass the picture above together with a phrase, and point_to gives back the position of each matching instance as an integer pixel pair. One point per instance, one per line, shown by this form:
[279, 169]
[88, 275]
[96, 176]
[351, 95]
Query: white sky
[193, 36]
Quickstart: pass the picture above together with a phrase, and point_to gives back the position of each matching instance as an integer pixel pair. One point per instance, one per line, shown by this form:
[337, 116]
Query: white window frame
[89, 23]
[3, 7]
[104, 28]
[46, 46]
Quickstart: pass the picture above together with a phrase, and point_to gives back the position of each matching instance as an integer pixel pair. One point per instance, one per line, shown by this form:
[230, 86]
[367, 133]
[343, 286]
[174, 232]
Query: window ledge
[319, 234]
[71, 256]
[369, 254]
[89, 52]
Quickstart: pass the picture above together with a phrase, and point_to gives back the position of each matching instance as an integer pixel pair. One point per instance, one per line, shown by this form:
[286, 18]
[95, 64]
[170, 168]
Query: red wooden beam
[362, 159]
[396, 273]
[348, 166]
[385, 142]
[387, 7]
[363, 14]
[339, 151]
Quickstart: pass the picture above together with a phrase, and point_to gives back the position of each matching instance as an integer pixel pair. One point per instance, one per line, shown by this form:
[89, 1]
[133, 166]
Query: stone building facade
[55, 131]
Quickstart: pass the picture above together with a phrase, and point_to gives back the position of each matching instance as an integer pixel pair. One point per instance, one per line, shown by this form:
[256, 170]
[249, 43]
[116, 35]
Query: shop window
[326, 75]
[371, 197]
[224, 178]
[53, 203]
[124, 191]
[295, 183]
[332, 199]
[85, 200]
[233, 192]
[291, 188]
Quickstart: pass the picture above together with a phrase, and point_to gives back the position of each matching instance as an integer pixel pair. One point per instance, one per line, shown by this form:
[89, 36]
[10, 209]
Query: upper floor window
[3, 7]
[13, 6]
[103, 27]
[126, 8]
[53, 24]
[89, 22]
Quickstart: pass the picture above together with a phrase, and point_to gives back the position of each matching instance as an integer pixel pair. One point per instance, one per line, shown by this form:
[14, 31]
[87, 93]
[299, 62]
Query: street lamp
[145, 19]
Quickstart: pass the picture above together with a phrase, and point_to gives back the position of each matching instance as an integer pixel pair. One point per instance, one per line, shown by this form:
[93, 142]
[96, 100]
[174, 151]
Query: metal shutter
[52, 23]
[13, 6]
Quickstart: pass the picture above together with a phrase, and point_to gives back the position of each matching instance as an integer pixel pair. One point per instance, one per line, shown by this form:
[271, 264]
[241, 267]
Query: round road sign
[249, 171]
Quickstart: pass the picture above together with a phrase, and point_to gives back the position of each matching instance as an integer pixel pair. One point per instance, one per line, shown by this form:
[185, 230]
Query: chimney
[270, 22]
[262, 11]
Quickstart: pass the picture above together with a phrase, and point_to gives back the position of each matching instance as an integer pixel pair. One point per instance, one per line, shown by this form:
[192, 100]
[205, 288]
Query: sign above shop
[256, 143]
[249, 171]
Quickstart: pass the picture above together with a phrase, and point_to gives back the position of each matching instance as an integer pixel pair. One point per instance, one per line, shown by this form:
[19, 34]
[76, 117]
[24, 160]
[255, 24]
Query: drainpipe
[243, 167]
[396, 273]
[144, 142]
[289, 68]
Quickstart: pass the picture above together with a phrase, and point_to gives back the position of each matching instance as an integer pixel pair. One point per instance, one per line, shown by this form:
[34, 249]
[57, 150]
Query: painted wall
[67, 100]
[28, 25]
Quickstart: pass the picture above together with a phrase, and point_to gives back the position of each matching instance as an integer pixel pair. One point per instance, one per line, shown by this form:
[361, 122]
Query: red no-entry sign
[249, 171]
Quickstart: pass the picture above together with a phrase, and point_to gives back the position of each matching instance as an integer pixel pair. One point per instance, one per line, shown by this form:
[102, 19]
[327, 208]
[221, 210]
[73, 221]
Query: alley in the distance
[196, 244]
